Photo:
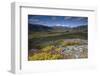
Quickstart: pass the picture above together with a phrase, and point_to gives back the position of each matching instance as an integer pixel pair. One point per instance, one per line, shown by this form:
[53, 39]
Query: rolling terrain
[57, 42]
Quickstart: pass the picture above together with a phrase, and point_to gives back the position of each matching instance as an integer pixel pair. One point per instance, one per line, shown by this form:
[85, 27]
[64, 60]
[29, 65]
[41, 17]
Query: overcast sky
[68, 21]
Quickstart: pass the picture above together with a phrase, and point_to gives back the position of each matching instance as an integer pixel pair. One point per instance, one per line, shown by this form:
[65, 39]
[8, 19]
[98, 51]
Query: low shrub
[47, 48]
[45, 56]
[58, 49]
[57, 56]
[71, 43]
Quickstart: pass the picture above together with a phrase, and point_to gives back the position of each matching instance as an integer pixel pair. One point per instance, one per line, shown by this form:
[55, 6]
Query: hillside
[38, 27]
[45, 28]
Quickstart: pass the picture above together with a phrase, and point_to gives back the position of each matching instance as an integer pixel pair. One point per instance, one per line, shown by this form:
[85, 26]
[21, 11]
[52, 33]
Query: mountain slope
[38, 27]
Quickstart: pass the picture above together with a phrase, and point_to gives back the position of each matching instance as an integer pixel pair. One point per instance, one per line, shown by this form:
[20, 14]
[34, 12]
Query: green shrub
[45, 56]
[71, 43]
[58, 49]
[47, 48]
[59, 42]
[40, 56]
[56, 56]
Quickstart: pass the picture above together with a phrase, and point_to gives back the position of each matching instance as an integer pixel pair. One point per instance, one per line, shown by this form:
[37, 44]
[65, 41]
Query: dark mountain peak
[38, 27]
[81, 27]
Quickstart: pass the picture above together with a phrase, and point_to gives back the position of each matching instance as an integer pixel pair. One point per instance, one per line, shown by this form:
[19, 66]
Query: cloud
[58, 24]
[75, 18]
[79, 18]
[67, 17]
[33, 20]
[62, 25]
[53, 18]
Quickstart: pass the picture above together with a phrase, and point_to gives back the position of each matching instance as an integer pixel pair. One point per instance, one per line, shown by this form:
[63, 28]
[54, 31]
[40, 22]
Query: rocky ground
[75, 52]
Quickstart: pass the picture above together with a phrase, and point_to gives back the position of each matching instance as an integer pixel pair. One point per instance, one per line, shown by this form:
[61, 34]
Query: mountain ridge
[40, 27]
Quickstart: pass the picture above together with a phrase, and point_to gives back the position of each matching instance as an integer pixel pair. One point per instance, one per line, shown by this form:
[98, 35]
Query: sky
[68, 21]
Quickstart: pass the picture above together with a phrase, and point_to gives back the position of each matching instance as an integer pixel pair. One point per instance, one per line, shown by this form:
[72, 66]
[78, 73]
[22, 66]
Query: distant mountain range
[39, 27]
[81, 27]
